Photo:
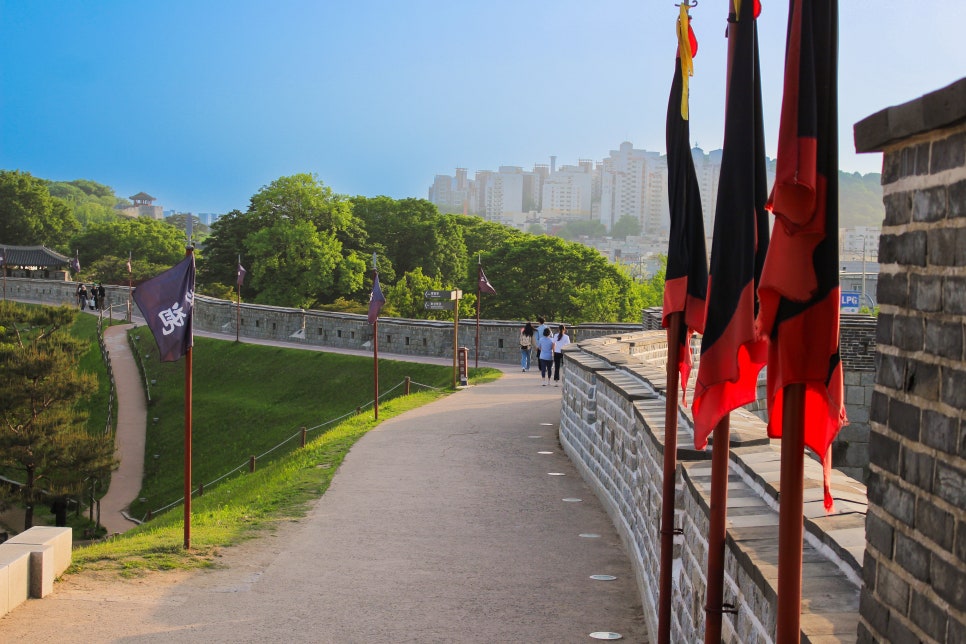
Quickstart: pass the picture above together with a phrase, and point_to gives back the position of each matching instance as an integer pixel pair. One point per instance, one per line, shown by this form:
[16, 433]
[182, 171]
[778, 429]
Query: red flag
[485, 286]
[686, 277]
[732, 353]
[800, 284]
[376, 300]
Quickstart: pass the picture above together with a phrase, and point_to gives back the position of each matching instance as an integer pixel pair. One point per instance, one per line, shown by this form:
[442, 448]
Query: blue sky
[201, 104]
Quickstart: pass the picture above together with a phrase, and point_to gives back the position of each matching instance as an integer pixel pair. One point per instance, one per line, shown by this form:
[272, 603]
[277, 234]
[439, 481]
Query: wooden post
[716, 531]
[302, 441]
[408, 382]
[251, 464]
[670, 468]
[790, 516]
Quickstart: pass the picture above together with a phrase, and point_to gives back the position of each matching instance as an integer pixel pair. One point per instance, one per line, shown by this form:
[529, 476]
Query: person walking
[526, 344]
[560, 341]
[541, 325]
[82, 296]
[545, 356]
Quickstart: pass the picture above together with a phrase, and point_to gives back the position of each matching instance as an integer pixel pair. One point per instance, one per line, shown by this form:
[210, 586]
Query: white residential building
[634, 182]
[568, 191]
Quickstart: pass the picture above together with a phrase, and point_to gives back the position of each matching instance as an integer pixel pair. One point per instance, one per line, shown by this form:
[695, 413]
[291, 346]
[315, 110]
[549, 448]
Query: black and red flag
[167, 302]
[732, 353]
[686, 277]
[799, 288]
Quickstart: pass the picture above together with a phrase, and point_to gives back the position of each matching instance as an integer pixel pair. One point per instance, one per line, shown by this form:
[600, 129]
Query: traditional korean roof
[141, 196]
[32, 256]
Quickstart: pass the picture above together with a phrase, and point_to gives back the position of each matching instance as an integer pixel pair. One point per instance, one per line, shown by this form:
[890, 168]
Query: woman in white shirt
[560, 341]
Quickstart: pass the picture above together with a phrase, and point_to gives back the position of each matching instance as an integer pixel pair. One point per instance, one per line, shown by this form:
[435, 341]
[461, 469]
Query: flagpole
[187, 436]
[670, 464]
[375, 350]
[4, 274]
[720, 455]
[479, 276]
[238, 303]
[790, 513]
[130, 289]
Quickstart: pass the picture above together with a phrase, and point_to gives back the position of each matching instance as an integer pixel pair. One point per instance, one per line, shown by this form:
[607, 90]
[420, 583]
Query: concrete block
[60, 539]
[15, 562]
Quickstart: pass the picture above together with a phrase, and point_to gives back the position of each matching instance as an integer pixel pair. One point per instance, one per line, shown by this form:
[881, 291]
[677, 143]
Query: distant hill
[860, 200]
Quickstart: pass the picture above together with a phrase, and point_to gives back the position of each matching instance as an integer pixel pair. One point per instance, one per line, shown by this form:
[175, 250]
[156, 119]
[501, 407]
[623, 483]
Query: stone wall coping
[939, 109]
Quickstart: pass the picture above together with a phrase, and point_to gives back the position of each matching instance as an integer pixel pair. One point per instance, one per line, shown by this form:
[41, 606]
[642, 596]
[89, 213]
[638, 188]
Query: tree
[574, 230]
[29, 215]
[42, 433]
[626, 226]
[292, 263]
[104, 248]
[218, 262]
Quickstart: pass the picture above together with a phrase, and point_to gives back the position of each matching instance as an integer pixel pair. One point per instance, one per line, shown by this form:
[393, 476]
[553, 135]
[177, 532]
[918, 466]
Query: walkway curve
[131, 430]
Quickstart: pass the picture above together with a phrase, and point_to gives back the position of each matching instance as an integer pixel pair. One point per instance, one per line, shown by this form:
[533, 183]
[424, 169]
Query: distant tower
[142, 206]
[553, 164]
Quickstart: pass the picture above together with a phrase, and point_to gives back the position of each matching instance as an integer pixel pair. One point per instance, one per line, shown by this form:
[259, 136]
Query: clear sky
[201, 103]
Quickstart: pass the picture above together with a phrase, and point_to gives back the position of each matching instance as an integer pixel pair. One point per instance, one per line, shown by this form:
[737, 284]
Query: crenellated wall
[612, 427]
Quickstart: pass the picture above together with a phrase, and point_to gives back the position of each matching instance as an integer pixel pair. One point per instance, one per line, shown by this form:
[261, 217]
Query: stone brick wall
[612, 427]
[915, 561]
[498, 339]
[857, 343]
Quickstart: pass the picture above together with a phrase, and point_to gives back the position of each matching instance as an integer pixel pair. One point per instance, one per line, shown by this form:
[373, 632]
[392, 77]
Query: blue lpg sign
[849, 301]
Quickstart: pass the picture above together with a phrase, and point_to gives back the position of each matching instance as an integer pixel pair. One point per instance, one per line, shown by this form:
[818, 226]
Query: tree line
[305, 246]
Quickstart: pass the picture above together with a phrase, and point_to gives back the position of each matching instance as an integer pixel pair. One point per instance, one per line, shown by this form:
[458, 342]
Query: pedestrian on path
[545, 356]
[561, 340]
[526, 344]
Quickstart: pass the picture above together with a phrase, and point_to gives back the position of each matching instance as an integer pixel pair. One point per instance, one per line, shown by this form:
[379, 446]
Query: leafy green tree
[104, 248]
[626, 226]
[30, 216]
[406, 297]
[89, 201]
[218, 262]
[42, 435]
[302, 197]
[480, 235]
[292, 263]
[538, 275]
[574, 230]
[199, 231]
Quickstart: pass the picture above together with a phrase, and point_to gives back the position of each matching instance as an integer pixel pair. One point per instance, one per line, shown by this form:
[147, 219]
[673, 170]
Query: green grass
[242, 507]
[96, 406]
[248, 399]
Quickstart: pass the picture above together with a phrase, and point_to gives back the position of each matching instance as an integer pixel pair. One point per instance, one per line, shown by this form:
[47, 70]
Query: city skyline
[202, 105]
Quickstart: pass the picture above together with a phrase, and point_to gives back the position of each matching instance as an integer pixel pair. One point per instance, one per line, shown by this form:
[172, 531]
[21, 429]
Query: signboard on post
[443, 295]
[439, 305]
[849, 301]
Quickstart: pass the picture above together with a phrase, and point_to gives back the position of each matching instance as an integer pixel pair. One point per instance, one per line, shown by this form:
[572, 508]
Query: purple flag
[167, 303]
[376, 300]
[241, 273]
[75, 264]
[485, 286]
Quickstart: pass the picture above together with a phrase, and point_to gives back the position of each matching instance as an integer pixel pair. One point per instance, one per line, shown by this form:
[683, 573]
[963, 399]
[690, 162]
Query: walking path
[460, 521]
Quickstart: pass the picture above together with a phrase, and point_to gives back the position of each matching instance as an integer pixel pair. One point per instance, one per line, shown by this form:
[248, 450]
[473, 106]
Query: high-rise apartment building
[633, 183]
[567, 193]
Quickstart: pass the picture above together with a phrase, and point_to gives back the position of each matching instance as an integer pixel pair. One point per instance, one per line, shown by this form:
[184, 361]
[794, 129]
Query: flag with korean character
[167, 303]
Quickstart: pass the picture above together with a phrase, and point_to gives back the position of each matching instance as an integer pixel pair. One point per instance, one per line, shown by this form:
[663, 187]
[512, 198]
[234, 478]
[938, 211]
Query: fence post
[303, 436]
[251, 464]
[408, 380]
[201, 489]
[358, 410]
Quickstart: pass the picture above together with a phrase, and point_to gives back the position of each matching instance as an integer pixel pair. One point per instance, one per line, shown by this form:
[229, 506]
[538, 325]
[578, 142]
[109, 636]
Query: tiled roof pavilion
[39, 256]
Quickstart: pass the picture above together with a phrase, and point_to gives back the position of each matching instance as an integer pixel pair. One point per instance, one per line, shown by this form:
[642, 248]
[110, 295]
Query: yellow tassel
[685, 54]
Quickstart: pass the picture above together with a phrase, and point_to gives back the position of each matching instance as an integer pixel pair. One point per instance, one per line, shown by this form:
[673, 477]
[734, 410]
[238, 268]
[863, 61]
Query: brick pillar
[914, 572]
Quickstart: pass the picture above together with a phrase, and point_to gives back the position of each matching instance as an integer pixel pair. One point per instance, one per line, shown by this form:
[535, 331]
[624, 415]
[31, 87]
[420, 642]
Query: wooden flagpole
[670, 467]
[187, 436]
[479, 296]
[375, 349]
[790, 516]
[714, 600]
